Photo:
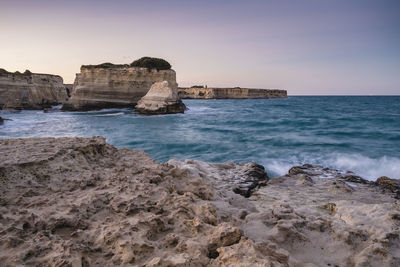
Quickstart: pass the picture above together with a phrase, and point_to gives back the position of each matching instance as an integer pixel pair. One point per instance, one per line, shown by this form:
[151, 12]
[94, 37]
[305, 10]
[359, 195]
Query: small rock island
[117, 85]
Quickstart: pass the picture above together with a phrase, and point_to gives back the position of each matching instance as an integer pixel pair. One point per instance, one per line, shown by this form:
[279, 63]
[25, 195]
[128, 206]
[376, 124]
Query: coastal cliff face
[82, 202]
[116, 87]
[226, 93]
[31, 91]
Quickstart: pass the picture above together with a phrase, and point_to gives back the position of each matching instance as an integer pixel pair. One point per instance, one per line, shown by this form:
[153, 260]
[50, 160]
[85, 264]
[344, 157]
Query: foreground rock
[228, 93]
[114, 86]
[82, 202]
[162, 98]
[30, 90]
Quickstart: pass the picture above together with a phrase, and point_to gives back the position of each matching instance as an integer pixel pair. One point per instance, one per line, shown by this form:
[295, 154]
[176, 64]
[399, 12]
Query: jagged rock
[30, 91]
[252, 176]
[115, 86]
[162, 98]
[83, 202]
[1, 120]
[390, 184]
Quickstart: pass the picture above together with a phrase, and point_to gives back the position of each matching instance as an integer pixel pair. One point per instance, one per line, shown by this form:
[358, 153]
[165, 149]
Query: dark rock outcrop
[393, 185]
[251, 177]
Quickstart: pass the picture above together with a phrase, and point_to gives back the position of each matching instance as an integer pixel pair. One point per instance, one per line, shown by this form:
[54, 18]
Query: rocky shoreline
[82, 202]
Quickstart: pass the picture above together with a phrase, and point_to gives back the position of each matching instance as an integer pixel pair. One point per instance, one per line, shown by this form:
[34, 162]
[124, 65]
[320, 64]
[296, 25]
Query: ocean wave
[367, 167]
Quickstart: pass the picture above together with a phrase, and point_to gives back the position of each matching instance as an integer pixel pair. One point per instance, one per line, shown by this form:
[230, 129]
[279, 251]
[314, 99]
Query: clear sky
[307, 47]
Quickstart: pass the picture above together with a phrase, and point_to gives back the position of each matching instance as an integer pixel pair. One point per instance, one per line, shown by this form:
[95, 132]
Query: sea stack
[30, 90]
[162, 98]
[117, 86]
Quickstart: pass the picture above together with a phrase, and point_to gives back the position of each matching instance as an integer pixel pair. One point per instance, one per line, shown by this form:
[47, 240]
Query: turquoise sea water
[357, 133]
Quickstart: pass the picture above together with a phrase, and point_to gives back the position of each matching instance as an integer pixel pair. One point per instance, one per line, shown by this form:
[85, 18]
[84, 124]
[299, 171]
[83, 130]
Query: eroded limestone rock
[119, 86]
[82, 202]
[31, 91]
[162, 98]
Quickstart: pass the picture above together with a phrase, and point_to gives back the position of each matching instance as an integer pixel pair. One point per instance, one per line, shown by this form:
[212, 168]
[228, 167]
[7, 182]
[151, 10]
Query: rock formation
[226, 93]
[114, 86]
[162, 98]
[82, 202]
[30, 90]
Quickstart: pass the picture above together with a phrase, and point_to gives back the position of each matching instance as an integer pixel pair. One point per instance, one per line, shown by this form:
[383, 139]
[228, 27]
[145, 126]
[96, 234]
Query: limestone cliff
[114, 87]
[161, 99]
[226, 93]
[30, 91]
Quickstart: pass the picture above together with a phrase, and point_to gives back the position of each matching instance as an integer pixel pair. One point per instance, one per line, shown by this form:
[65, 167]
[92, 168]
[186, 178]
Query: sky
[308, 47]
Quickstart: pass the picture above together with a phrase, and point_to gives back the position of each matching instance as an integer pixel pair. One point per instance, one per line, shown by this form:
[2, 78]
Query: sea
[349, 133]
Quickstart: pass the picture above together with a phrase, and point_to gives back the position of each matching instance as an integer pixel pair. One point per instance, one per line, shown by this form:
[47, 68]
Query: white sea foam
[109, 114]
[366, 167]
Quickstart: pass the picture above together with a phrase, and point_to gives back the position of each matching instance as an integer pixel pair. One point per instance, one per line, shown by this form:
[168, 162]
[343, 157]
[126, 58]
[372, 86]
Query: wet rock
[393, 185]
[249, 178]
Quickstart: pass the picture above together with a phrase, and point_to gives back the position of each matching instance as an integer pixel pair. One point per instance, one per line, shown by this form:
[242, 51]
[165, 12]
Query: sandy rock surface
[82, 202]
[162, 98]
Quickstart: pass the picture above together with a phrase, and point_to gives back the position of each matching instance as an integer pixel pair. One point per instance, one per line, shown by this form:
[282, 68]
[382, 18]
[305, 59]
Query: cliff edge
[30, 90]
[228, 93]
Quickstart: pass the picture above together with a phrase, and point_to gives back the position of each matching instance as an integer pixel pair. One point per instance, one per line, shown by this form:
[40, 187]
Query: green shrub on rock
[3, 71]
[151, 63]
[106, 65]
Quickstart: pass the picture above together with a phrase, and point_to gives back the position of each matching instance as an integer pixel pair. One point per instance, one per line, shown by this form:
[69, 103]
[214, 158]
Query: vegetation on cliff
[27, 72]
[144, 62]
[106, 65]
[151, 63]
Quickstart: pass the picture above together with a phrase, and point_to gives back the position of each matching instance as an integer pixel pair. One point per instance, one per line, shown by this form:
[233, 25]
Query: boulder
[162, 98]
